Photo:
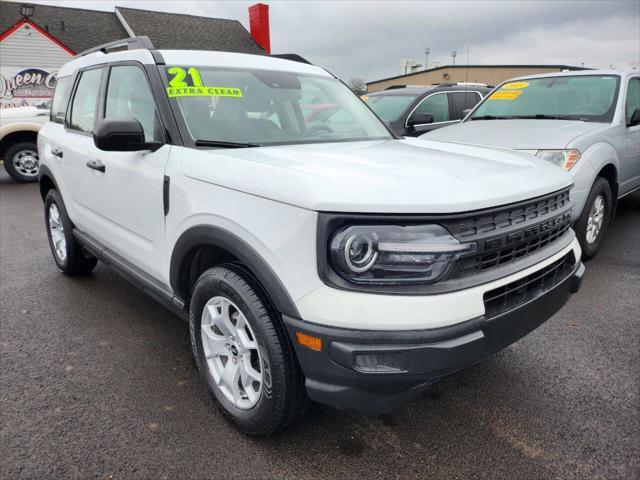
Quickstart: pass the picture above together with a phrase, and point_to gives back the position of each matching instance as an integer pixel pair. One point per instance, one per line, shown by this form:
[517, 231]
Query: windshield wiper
[220, 143]
[542, 116]
[489, 117]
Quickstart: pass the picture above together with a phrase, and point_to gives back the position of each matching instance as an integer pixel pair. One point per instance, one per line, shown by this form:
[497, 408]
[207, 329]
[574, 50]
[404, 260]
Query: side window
[129, 96]
[633, 97]
[85, 101]
[60, 99]
[461, 101]
[437, 105]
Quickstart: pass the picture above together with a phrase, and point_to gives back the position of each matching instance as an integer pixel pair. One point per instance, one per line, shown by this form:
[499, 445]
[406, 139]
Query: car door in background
[461, 101]
[630, 161]
[437, 105]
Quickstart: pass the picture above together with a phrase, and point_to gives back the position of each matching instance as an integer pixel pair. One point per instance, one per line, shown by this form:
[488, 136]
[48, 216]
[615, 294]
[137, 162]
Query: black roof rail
[132, 43]
[394, 87]
[294, 57]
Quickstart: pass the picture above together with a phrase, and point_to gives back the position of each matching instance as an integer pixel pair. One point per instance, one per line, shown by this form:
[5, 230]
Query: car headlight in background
[563, 158]
[395, 254]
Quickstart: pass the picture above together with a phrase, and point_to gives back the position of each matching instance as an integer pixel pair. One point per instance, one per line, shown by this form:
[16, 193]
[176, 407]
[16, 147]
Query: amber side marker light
[314, 343]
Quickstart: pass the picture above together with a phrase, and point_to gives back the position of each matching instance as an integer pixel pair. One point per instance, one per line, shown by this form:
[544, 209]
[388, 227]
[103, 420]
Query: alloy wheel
[26, 162]
[596, 219]
[57, 233]
[231, 352]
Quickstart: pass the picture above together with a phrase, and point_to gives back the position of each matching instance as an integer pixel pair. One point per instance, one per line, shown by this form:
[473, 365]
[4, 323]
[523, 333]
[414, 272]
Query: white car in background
[19, 128]
[587, 122]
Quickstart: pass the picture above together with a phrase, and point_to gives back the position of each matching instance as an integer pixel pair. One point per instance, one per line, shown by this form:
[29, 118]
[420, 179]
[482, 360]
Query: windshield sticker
[188, 83]
[515, 85]
[508, 95]
[204, 92]
[364, 97]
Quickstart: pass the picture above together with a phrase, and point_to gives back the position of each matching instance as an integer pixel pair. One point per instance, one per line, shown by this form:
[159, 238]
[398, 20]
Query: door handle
[96, 165]
[57, 152]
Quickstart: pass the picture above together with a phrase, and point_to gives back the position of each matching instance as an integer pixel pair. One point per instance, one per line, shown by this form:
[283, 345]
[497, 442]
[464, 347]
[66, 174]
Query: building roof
[188, 32]
[80, 29]
[559, 67]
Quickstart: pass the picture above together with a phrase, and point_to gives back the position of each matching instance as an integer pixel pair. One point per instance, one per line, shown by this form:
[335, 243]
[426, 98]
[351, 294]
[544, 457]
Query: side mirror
[635, 118]
[420, 119]
[121, 135]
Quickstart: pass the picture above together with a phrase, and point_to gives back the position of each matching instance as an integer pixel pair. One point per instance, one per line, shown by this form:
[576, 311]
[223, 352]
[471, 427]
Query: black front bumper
[340, 374]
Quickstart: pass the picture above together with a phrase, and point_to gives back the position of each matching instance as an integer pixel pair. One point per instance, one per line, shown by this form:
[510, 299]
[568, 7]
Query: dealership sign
[25, 86]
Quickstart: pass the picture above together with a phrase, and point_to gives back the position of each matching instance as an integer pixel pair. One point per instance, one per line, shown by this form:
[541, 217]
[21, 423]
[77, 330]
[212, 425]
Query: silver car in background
[587, 122]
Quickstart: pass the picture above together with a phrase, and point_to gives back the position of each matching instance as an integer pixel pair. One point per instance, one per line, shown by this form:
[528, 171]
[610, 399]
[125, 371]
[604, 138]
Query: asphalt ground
[97, 381]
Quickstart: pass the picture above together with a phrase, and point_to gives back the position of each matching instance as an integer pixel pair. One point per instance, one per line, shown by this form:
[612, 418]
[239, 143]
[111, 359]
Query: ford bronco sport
[348, 266]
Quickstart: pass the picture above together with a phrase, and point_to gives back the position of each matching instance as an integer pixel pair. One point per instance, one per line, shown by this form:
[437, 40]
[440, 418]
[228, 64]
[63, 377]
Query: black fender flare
[43, 172]
[209, 235]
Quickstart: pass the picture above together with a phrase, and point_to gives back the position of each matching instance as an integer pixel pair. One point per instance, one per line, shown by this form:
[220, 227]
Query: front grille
[498, 219]
[506, 234]
[515, 294]
[471, 266]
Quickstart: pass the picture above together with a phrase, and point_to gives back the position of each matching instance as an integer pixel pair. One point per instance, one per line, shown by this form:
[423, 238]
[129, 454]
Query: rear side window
[461, 102]
[60, 99]
[85, 101]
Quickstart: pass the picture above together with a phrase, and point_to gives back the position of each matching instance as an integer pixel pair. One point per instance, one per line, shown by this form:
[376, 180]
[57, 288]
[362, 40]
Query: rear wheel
[22, 162]
[243, 352]
[594, 220]
[69, 256]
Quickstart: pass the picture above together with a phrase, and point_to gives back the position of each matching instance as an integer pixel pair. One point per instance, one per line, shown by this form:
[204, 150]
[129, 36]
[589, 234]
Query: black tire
[76, 260]
[602, 189]
[283, 398]
[20, 174]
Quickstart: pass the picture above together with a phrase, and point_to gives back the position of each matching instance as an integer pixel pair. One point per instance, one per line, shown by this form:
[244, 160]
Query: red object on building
[259, 25]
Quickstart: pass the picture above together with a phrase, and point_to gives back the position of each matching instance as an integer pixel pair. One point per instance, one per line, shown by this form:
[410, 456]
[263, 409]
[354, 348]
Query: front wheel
[22, 162]
[595, 217]
[243, 353]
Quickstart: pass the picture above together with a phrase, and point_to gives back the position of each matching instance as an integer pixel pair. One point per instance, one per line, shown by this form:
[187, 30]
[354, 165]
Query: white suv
[343, 265]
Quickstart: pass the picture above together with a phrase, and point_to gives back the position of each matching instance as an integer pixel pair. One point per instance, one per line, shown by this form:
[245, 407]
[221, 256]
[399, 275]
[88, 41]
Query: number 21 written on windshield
[179, 75]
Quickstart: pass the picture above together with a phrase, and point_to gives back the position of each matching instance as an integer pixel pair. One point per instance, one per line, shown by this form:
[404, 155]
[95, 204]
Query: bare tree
[357, 84]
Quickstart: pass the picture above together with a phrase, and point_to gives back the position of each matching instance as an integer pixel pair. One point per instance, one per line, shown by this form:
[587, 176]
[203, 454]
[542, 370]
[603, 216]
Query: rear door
[461, 101]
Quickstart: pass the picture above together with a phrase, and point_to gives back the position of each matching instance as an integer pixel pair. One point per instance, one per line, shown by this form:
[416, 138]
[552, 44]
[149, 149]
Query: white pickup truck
[19, 128]
[586, 122]
[348, 266]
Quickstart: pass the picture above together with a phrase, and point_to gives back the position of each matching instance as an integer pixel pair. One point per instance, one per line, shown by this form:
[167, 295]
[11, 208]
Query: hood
[17, 113]
[516, 134]
[390, 176]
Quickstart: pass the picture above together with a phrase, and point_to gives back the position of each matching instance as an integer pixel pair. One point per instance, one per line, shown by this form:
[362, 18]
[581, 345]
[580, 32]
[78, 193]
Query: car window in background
[633, 97]
[462, 101]
[126, 101]
[85, 101]
[60, 99]
[390, 107]
[580, 97]
[437, 105]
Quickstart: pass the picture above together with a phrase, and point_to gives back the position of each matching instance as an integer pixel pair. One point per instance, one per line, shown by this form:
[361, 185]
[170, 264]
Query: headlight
[563, 158]
[394, 254]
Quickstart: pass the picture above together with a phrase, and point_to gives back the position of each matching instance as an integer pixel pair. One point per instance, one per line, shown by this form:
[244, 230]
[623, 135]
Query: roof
[188, 32]
[76, 28]
[578, 73]
[558, 67]
[80, 29]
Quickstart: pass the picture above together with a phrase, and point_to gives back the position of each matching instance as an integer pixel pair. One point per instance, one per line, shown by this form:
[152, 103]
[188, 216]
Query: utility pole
[427, 51]
[453, 54]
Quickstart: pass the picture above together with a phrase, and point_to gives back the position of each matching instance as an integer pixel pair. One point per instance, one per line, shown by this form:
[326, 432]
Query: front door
[630, 163]
[122, 192]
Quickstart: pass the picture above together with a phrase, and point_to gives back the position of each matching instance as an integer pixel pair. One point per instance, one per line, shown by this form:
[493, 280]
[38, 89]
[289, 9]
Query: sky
[367, 39]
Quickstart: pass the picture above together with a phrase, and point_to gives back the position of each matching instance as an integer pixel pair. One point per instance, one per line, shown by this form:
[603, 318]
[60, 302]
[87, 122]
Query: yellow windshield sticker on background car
[515, 85]
[204, 92]
[364, 97]
[508, 95]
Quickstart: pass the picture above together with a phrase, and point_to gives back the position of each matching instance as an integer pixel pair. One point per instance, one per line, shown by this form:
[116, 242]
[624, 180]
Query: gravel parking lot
[97, 381]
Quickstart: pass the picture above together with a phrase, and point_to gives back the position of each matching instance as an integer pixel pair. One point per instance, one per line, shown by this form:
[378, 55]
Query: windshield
[389, 107]
[242, 107]
[585, 97]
